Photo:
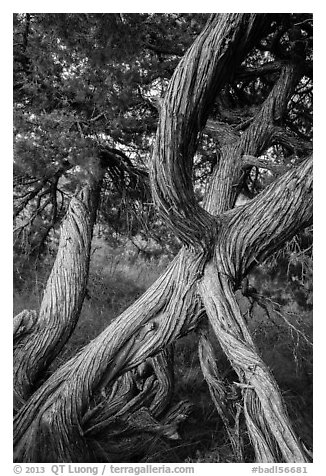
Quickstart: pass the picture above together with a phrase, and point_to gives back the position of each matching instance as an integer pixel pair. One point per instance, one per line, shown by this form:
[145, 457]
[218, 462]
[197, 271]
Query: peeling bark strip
[203, 71]
[40, 343]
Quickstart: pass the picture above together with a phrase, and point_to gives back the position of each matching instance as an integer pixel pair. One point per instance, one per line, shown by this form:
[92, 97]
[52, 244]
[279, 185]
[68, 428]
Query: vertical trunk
[219, 392]
[248, 233]
[38, 342]
[220, 198]
[267, 421]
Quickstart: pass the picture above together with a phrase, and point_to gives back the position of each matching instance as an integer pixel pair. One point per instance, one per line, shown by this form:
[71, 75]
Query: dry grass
[115, 282]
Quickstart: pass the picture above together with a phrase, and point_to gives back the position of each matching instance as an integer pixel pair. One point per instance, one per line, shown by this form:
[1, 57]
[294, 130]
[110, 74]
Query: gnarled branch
[202, 72]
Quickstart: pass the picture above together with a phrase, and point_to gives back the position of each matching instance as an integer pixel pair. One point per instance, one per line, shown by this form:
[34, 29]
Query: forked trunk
[64, 420]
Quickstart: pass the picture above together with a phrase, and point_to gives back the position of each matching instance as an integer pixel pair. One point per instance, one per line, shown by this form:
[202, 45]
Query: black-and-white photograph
[162, 241]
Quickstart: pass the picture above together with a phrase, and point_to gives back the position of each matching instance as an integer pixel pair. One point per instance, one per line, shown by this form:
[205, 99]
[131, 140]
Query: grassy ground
[116, 281]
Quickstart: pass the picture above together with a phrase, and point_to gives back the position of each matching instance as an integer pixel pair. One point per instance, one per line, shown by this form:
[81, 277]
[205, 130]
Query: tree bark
[267, 216]
[168, 310]
[39, 341]
[171, 177]
[267, 421]
[222, 249]
[250, 233]
[206, 67]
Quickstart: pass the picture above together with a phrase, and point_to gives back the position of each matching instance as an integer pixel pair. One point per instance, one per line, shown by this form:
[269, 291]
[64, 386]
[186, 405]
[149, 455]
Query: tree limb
[61, 303]
[266, 222]
[190, 94]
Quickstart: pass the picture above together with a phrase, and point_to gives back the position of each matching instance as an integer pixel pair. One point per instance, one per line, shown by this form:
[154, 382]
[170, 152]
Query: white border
[319, 193]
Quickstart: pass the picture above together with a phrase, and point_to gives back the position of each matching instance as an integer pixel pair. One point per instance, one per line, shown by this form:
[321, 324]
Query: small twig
[30, 220]
[273, 305]
[97, 117]
[80, 129]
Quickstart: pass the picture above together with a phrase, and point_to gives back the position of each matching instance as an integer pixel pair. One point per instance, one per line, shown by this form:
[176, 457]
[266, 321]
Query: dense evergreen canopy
[192, 130]
[90, 85]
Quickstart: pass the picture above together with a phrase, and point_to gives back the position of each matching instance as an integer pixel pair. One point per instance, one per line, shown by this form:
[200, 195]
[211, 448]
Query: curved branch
[255, 230]
[63, 296]
[222, 132]
[250, 160]
[271, 67]
[200, 75]
[255, 139]
[142, 331]
[219, 391]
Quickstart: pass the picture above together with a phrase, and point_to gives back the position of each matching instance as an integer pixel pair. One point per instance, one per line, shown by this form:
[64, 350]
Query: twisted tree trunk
[56, 410]
[38, 339]
[222, 244]
[203, 71]
[263, 226]
[171, 178]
